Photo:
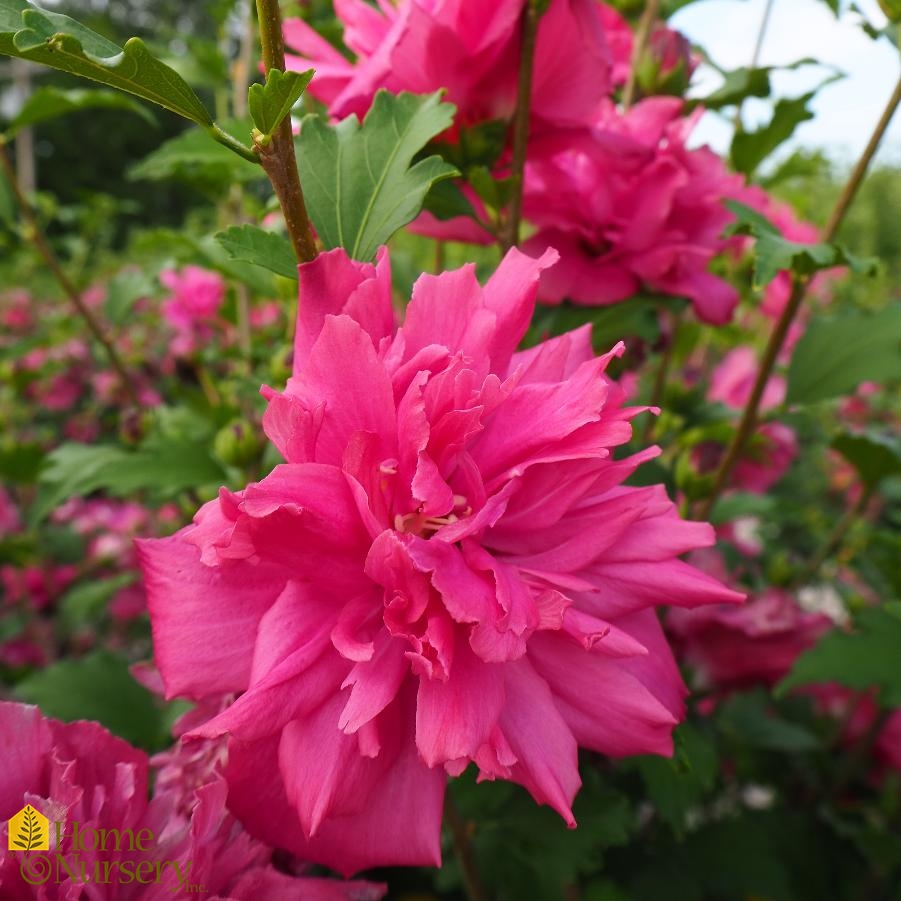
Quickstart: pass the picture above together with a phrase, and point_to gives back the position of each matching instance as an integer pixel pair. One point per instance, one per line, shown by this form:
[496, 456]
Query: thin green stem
[531, 14]
[241, 68]
[642, 36]
[835, 538]
[459, 831]
[36, 235]
[660, 377]
[277, 156]
[223, 137]
[755, 56]
[774, 346]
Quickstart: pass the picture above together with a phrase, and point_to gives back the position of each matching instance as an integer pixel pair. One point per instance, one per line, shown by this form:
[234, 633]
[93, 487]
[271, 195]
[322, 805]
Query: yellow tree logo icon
[29, 831]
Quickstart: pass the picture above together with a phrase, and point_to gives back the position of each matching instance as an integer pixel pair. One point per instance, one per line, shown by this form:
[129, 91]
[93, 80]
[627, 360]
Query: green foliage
[752, 722]
[123, 290]
[773, 253]
[269, 250]
[269, 103]
[750, 148]
[835, 355]
[83, 605]
[192, 157]
[48, 103]
[737, 86]
[62, 43]
[737, 504]
[99, 687]
[864, 658]
[358, 179]
[163, 466]
[875, 457]
[676, 786]
[525, 851]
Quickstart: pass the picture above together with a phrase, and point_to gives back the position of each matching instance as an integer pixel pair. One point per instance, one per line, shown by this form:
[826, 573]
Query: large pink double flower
[447, 570]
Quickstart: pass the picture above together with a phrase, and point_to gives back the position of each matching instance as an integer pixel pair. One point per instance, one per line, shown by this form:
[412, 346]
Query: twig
[37, 237]
[240, 79]
[530, 17]
[663, 368]
[463, 849]
[835, 538]
[799, 288]
[277, 156]
[642, 36]
[755, 56]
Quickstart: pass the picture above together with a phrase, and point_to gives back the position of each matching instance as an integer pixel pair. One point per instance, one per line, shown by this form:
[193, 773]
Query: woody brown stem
[277, 156]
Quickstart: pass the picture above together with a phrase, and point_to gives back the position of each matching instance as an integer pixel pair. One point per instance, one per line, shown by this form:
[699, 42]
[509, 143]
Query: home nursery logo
[30, 830]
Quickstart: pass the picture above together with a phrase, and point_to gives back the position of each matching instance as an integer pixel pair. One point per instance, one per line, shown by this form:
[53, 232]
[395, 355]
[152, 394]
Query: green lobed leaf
[835, 355]
[247, 243]
[165, 468]
[750, 148]
[269, 103]
[98, 687]
[192, 157]
[738, 85]
[358, 179]
[863, 658]
[773, 253]
[875, 457]
[55, 40]
[48, 103]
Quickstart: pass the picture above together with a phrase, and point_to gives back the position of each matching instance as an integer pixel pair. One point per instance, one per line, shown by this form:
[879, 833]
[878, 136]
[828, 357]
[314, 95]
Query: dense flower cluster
[447, 569]
[617, 193]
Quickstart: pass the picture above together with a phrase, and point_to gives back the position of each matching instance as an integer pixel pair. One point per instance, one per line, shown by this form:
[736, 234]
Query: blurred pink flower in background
[733, 647]
[10, 521]
[447, 570]
[197, 295]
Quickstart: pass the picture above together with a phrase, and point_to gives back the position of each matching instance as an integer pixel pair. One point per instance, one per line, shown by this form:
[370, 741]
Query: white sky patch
[845, 111]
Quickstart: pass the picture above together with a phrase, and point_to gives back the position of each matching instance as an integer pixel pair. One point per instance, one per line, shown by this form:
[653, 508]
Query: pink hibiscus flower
[447, 570]
[468, 47]
[79, 773]
[756, 643]
[197, 295]
[629, 205]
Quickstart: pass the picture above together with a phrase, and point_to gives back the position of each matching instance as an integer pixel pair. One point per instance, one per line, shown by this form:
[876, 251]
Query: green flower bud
[237, 443]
